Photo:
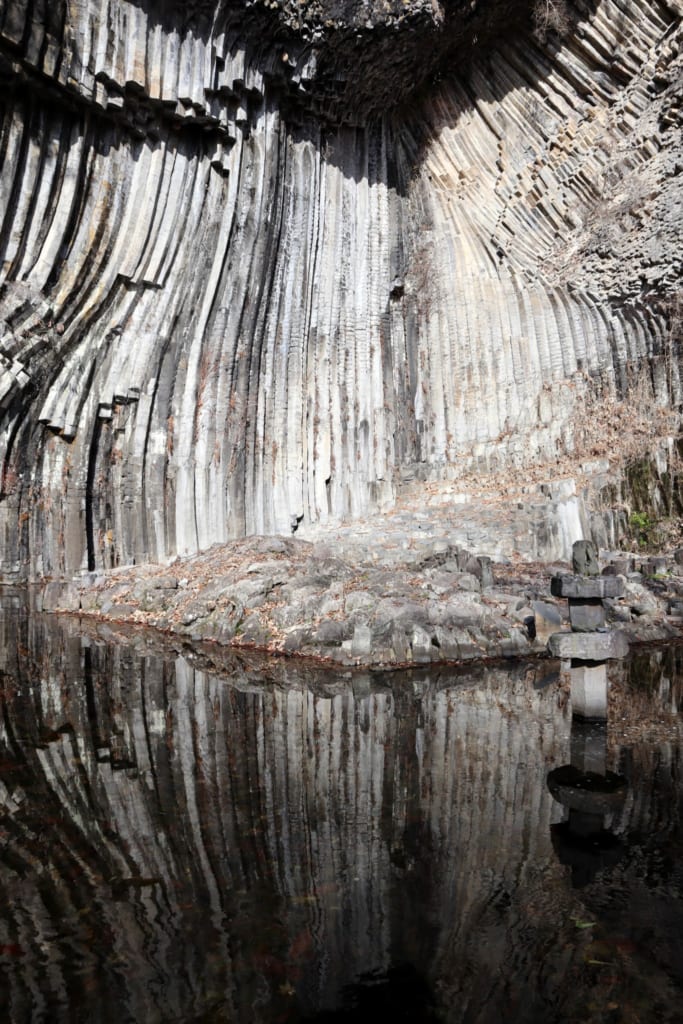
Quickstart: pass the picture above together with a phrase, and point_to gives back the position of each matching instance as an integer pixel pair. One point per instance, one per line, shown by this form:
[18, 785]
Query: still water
[189, 840]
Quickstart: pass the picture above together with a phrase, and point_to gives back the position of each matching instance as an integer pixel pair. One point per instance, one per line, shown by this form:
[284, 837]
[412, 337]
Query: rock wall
[238, 293]
[552, 196]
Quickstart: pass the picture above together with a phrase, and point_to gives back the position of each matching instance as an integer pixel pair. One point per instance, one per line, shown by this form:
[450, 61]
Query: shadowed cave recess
[265, 264]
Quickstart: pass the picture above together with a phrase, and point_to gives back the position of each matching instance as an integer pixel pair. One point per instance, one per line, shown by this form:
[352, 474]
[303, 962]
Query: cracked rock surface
[378, 594]
[265, 266]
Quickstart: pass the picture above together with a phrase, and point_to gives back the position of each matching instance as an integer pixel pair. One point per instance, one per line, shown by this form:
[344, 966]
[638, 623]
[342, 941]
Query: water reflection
[591, 793]
[180, 845]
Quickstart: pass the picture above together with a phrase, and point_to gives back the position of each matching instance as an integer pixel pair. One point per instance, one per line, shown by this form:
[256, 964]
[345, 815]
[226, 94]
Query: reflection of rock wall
[304, 830]
[254, 838]
[220, 314]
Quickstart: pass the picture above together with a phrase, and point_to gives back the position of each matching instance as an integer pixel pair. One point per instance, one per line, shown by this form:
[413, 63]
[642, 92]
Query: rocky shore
[387, 591]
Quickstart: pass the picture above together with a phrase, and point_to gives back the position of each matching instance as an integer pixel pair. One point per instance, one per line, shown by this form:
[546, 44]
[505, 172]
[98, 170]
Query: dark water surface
[254, 845]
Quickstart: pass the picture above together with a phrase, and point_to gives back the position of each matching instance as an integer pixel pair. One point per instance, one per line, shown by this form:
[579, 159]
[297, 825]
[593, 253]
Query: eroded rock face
[258, 266]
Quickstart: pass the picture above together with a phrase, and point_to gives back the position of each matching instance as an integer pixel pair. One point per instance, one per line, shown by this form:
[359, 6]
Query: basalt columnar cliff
[261, 263]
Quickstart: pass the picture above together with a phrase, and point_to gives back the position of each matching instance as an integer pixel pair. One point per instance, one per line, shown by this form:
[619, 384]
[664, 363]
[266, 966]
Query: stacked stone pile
[589, 645]
[585, 787]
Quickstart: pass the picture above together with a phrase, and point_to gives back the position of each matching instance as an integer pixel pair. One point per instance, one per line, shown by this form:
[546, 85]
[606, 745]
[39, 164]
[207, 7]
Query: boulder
[585, 558]
[586, 588]
[588, 646]
[586, 615]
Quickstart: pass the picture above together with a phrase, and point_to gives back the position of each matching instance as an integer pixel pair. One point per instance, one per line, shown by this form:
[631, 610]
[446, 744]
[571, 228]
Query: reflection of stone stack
[589, 792]
[585, 787]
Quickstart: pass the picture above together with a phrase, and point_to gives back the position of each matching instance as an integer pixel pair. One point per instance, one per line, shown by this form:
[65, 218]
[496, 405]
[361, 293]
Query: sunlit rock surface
[259, 265]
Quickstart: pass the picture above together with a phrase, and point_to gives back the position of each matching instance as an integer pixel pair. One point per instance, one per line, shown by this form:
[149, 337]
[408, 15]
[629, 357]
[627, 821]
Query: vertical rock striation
[551, 194]
[174, 841]
[237, 293]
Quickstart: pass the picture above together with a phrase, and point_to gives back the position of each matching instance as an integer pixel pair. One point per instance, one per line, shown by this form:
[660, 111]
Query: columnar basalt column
[264, 264]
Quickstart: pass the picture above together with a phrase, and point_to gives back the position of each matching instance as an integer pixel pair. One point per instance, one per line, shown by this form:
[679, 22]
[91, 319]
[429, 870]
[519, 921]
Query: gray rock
[89, 600]
[619, 567]
[486, 571]
[398, 610]
[585, 558]
[296, 639]
[451, 565]
[468, 581]
[224, 629]
[656, 566]
[619, 613]
[480, 567]
[437, 613]
[330, 605]
[466, 645]
[515, 644]
[547, 620]
[252, 591]
[397, 413]
[400, 645]
[90, 579]
[641, 600]
[446, 644]
[270, 545]
[421, 647]
[441, 582]
[252, 631]
[465, 608]
[582, 587]
[166, 583]
[286, 616]
[589, 646]
[508, 599]
[359, 600]
[361, 644]
[330, 631]
[586, 616]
